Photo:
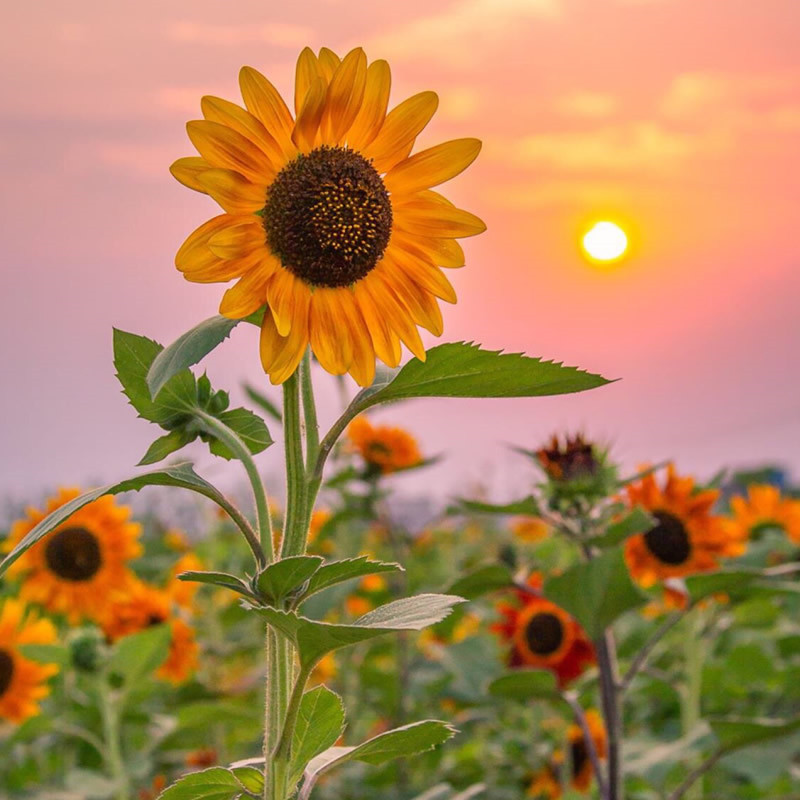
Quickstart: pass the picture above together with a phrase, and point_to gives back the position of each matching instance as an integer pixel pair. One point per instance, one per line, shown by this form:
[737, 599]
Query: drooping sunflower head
[582, 771]
[544, 636]
[75, 569]
[765, 507]
[385, 449]
[329, 221]
[686, 538]
[22, 682]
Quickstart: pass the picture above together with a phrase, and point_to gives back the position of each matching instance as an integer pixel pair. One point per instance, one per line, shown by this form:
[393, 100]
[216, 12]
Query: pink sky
[680, 117]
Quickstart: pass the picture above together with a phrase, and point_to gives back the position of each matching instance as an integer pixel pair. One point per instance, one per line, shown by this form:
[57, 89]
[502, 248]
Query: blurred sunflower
[22, 681]
[687, 538]
[74, 569]
[328, 219]
[546, 783]
[575, 458]
[530, 529]
[182, 593]
[384, 449]
[582, 771]
[142, 606]
[765, 507]
[544, 636]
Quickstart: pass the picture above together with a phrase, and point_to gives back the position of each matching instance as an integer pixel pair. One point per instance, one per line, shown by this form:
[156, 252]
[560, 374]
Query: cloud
[587, 104]
[275, 33]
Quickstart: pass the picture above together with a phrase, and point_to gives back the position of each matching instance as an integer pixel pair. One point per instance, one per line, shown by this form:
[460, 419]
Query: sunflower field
[605, 635]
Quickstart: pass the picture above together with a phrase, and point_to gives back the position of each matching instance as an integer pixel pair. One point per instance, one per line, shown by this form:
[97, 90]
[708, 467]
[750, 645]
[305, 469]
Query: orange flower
[22, 681]
[582, 771]
[687, 537]
[357, 606]
[529, 529]
[545, 784]
[75, 568]
[385, 449]
[763, 507]
[543, 636]
[204, 757]
[182, 593]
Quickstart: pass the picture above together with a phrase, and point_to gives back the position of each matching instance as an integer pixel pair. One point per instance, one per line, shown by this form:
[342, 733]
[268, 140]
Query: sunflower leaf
[485, 579]
[734, 733]
[527, 505]
[281, 578]
[320, 722]
[164, 446]
[636, 521]
[134, 656]
[216, 783]
[340, 571]
[223, 579]
[249, 427]
[524, 684]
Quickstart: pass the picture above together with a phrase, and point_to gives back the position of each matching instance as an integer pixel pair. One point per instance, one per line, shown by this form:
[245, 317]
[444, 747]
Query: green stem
[294, 529]
[240, 450]
[310, 413]
[284, 751]
[694, 655]
[110, 712]
[280, 668]
[610, 697]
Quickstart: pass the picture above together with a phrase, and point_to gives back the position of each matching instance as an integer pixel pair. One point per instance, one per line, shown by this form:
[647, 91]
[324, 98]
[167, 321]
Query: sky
[677, 118]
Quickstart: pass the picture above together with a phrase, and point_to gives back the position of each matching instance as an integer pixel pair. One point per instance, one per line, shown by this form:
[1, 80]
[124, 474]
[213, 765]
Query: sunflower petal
[224, 147]
[442, 252]
[328, 62]
[424, 218]
[432, 166]
[428, 277]
[309, 117]
[306, 75]
[372, 113]
[421, 304]
[329, 332]
[195, 248]
[235, 194]
[246, 296]
[264, 102]
[344, 96]
[400, 129]
[384, 339]
[237, 241]
[280, 355]
[283, 294]
[186, 171]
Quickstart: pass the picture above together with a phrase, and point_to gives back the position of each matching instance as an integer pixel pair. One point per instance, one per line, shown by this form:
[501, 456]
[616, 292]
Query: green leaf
[524, 684]
[46, 653]
[724, 580]
[527, 506]
[137, 655]
[483, 580]
[181, 475]
[165, 446]
[314, 639]
[263, 402]
[187, 350]
[636, 521]
[320, 723]
[281, 578]
[251, 778]
[340, 571]
[734, 733]
[460, 369]
[597, 592]
[249, 427]
[216, 783]
[222, 579]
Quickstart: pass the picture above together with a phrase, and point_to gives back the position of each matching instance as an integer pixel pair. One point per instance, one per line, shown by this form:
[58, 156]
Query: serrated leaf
[216, 783]
[320, 723]
[734, 733]
[165, 446]
[528, 506]
[249, 427]
[188, 349]
[134, 657]
[281, 578]
[340, 571]
[252, 779]
[524, 684]
[181, 475]
[635, 522]
[222, 579]
[483, 580]
[314, 639]
[461, 369]
[597, 592]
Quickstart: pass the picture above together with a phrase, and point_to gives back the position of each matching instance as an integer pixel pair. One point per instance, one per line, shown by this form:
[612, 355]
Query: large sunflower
[76, 567]
[544, 636]
[22, 681]
[687, 538]
[329, 220]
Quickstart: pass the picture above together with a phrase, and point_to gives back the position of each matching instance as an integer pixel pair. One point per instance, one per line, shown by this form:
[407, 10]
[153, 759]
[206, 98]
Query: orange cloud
[275, 33]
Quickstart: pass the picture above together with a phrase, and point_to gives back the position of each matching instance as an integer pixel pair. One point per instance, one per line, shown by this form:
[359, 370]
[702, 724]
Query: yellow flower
[22, 681]
[384, 448]
[329, 220]
[176, 540]
[325, 670]
[182, 593]
[357, 606]
[764, 506]
[75, 568]
[529, 529]
[687, 537]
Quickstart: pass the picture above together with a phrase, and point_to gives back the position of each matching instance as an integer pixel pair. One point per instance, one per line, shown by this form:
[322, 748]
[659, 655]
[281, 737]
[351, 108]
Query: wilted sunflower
[76, 567]
[384, 448]
[544, 636]
[329, 220]
[22, 681]
[765, 507]
[687, 537]
[141, 606]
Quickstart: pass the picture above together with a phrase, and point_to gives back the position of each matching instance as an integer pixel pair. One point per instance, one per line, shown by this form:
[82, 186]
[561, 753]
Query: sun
[605, 242]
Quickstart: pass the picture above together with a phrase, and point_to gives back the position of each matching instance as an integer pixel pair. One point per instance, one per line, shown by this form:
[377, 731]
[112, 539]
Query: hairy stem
[309, 412]
[694, 654]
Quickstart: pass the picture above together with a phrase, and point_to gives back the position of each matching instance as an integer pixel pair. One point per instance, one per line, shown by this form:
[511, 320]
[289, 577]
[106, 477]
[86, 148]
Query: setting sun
[605, 241]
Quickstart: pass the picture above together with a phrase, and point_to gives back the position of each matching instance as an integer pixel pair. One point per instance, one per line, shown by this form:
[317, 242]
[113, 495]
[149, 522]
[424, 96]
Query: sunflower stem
[610, 697]
[309, 412]
[694, 655]
[110, 709]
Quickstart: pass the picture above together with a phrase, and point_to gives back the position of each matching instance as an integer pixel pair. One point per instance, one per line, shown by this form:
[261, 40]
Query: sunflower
[687, 538]
[765, 507]
[328, 220]
[544, 636]
[75, 568]
[384, 449]
[142, 606]
[574, 459]
[546, 783]
[582, 771]
[530, 529]
[22, 681]
[182, 593]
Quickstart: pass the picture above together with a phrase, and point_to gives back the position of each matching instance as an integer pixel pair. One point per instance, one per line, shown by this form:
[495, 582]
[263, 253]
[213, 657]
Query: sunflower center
[668, 541]
[73, 554]
[6, 671]
[544, 634]
[579, 754]
[328, 216]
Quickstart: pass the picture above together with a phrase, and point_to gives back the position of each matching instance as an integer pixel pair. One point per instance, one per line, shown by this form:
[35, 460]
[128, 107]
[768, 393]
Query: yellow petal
[432, 166]
[309, 117]
[421, 304]
[400, 129]
[384, 339]
[235, 194]
[328, 330]
[428, 277]
[195, 247]
[370, 117]
[394, 310]
[216, 109]
[246, 296]
[362, 367]
[328, 62]
[221, 270]
[306, 76]
[424, 218]
[237, 241]
[280, 355]
[264, 102]
[223, 147]
[284, 293]
[442, 252]
[344, 96]
[187, 170]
